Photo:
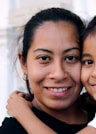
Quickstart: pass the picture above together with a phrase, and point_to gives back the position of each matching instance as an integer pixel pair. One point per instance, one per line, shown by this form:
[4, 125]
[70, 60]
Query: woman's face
[88, 74]
[53, 65]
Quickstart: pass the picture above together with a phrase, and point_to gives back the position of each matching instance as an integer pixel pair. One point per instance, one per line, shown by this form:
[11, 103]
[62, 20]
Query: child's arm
[18, 106]
[87, 130]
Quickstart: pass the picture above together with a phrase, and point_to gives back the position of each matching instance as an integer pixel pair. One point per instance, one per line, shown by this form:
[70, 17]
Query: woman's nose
[58, 72]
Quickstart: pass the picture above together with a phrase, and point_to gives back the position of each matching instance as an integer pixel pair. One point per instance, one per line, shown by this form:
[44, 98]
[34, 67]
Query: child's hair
[88, 104]
[91, 29]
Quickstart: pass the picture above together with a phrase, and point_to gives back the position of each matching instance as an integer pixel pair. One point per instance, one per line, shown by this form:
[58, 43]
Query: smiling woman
[51, 78]
[50, 59]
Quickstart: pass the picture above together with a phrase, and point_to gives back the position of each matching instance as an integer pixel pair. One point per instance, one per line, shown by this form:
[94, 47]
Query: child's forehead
[89, 44]
[91, 36]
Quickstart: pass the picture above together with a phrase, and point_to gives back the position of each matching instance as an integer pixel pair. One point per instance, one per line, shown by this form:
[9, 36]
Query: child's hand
[17, 104]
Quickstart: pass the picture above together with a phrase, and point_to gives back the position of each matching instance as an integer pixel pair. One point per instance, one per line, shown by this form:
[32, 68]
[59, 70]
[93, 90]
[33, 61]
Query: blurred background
[13, 15]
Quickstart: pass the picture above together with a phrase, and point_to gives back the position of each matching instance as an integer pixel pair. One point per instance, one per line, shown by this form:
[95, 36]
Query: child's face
[88, 75]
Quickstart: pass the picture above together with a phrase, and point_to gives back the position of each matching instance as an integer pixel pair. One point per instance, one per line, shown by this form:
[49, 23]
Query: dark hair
[91, 29]
[51, 14]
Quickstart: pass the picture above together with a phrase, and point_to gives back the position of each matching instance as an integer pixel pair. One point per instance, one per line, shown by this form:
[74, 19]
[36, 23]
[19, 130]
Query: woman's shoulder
[9, 121]
[11, 125]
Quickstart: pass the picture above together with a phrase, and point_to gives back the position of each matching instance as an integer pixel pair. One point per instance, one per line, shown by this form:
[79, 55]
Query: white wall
[3, 56]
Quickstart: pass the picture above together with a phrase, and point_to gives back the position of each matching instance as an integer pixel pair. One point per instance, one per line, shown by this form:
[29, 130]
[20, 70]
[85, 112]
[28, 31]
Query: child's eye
[72, 59]
[87, 62]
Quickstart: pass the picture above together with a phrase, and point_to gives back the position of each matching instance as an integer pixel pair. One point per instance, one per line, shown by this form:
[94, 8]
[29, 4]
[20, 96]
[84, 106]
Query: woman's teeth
[58, 89]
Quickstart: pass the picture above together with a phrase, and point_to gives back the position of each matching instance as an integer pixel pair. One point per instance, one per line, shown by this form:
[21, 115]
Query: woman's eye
[44, 59]
[71, 59]
[87, 62]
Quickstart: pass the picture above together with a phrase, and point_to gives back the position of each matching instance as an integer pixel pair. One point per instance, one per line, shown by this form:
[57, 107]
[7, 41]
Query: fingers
[8, 106]
[22, 94]
[13, 94]
[16, 102]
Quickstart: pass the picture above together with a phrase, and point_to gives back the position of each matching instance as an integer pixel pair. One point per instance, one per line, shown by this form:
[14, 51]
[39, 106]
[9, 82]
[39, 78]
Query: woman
[88, 76]
[50, 60]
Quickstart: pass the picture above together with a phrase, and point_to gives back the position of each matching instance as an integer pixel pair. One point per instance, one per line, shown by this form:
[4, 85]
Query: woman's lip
[57, 87]
[60, 92]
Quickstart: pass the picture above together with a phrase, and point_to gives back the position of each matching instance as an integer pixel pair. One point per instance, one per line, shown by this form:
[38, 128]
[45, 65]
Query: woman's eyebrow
[42, 49]
[65, 51]
[71, 49]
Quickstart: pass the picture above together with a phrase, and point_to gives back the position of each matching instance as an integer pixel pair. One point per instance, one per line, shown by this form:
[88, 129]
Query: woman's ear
[22, 63]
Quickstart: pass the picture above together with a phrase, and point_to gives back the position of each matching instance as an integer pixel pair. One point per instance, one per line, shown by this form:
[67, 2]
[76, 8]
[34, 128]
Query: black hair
[90, 29]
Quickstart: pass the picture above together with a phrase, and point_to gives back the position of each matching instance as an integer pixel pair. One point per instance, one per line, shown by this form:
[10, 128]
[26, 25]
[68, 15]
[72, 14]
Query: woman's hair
[51, 14]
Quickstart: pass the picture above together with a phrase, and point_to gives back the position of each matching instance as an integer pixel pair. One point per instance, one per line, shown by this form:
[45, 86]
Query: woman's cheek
[76, 72]
[37, 74]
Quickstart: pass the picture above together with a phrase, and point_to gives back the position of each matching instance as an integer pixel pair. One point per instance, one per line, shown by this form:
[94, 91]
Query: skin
[56, 46]
[88, 74]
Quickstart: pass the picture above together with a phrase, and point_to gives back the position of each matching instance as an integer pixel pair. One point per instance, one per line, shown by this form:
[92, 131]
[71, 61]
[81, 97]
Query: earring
[25, 77]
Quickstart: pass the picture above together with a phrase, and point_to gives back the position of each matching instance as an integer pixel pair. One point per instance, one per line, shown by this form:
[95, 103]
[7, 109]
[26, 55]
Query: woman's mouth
[58, 90]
